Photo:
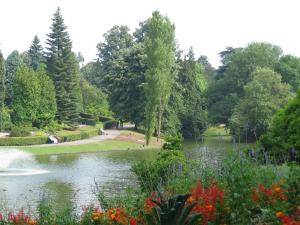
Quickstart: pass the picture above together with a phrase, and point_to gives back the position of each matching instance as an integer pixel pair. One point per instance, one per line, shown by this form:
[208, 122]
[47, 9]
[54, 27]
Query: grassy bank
[91, 147]
[125, 141]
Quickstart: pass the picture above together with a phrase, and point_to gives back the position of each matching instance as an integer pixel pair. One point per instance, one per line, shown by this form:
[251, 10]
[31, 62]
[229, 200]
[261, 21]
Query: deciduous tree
[160, 74]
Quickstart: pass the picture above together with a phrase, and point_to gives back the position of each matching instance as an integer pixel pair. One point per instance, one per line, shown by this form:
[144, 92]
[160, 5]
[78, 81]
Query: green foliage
[93, 99]
[92, 72]
[289, 68]
[160, 74]
[6, 119]
[105, 118]
[2, 91]
[284, 132]
[109, 124]
[26, 99]
[77, 135]
[235, 73]
[293, 183]
[35, 54]
[123, 63]
[20, 131]
[116, 39]
[156, 174]
[193, 85]
[263, 96]
[174, 211]
[21, 141]
[46, 111]
[12, 64]
[63, 68]
[173, 143]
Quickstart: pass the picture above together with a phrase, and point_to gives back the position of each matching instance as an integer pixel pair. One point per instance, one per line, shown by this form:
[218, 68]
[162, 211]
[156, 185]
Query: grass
[91, 147]
[80, 129]
[216, 131]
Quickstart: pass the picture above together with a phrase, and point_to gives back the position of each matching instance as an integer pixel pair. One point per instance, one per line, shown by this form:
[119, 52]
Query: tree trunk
[159, 119]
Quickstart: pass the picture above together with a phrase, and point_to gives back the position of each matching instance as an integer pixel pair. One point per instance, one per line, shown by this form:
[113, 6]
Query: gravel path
[110, 134]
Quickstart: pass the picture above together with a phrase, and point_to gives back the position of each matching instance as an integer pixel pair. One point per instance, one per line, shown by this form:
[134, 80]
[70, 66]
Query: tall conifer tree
[12, 64]
[35, 53]
[63, 68]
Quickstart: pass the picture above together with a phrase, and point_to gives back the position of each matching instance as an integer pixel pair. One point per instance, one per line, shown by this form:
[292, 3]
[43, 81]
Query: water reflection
[71, 179]
[72, 176]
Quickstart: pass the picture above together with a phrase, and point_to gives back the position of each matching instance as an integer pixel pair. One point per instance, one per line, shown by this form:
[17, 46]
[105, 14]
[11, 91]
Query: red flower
[133, 221]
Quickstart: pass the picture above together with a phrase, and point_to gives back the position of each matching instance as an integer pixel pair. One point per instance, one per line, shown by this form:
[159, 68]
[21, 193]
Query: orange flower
[279, 214]
[96, 215]
[32, 222]
[277, 189]
[190, 200]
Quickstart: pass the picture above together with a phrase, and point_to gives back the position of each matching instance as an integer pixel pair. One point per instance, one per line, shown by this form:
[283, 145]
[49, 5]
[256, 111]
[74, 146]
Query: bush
[167, 165]
[6, 120]
[110, 124]
[284, 133]
[90, 122]
[105, 118]
[18, 141]
[173, 143]
[20, 132]
[78, 136]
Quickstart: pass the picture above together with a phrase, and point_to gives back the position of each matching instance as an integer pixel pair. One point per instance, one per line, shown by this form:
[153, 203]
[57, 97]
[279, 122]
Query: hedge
[37, 140]
[110, 124]
[79, 136]
[105, 118]
[86, 121]
[17, 141]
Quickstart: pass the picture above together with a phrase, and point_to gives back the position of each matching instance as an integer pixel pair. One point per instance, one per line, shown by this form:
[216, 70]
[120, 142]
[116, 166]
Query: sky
[209, 26]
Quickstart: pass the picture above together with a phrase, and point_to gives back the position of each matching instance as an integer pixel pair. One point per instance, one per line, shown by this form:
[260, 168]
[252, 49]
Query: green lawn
[80, 129]
[216, 131]
[92, 147]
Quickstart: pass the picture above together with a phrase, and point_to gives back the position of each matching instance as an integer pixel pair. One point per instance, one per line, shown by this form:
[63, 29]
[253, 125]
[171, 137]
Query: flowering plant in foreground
[20, 218]
[205, 205]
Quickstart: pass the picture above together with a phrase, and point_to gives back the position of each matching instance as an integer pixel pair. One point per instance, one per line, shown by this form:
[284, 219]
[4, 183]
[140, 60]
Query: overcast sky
[207, 25]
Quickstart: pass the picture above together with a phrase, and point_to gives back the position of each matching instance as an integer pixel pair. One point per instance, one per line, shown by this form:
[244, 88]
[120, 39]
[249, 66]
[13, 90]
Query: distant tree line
[143, 77]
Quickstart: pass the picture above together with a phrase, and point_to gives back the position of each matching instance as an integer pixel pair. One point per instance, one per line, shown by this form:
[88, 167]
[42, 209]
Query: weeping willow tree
[160, 74]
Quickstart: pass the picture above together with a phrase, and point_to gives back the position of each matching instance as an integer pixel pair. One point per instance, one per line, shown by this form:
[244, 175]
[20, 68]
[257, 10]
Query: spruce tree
[12, 64]
[2, 89]
[35, 53]
[63, 68]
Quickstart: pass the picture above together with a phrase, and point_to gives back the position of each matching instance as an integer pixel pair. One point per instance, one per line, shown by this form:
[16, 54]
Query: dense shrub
[6, 119]
[167, 165]
[173, 143]
[110, 124]
[20, 132]
[105, 118]
[284, 134]
[18, 141]
[78, 135]
[90, 122]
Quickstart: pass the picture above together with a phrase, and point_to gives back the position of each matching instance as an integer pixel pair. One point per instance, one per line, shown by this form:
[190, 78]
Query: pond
[71, 177]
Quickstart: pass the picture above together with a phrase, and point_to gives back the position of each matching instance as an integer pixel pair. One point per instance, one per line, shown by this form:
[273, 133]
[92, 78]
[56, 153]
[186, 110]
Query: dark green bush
[173, 211]
[86, 121]
[18, 141]
[20, 132]
[173, 143]
[78, 136]
[156, 174]
[284, 133]
[110, 124]
[105, 118]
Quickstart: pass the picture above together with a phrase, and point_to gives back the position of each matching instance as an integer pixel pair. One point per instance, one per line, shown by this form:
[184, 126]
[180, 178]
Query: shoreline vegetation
[126, 140]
